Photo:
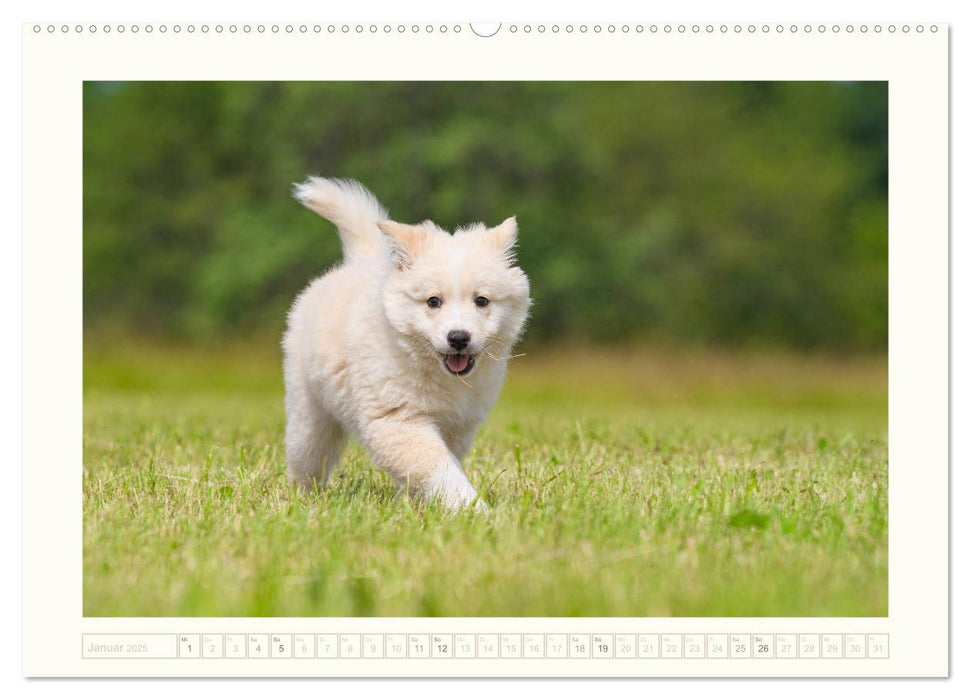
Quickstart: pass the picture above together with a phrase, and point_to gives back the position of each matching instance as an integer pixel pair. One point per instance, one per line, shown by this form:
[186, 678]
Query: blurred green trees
[731, 212]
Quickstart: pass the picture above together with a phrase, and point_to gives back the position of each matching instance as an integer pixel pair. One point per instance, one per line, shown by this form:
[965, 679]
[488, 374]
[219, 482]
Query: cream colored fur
[364, 353]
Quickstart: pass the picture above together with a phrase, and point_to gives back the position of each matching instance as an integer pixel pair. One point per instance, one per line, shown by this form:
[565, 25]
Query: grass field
[622, 483]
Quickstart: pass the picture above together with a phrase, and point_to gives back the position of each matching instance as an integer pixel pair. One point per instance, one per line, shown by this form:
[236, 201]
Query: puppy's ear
[503, 237]
[407, 241]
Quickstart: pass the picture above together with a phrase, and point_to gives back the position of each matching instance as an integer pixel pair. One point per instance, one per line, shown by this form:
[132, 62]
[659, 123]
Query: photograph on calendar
[485, 349]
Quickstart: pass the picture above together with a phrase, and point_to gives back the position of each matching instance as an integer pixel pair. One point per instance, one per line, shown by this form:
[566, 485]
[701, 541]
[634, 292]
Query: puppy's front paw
[452, 488]
[482, 507]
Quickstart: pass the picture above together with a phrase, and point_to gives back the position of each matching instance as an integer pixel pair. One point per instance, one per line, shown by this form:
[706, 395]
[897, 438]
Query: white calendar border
[914, 63]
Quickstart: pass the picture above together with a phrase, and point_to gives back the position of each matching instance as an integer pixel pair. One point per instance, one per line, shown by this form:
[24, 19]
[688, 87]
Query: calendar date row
[487, 646]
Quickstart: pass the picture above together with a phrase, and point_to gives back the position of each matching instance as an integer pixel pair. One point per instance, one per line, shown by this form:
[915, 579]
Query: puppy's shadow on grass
[373, 491]
[349, 487]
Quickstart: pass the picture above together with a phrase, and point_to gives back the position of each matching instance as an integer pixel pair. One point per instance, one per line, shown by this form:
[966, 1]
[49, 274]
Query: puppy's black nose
[458, 339]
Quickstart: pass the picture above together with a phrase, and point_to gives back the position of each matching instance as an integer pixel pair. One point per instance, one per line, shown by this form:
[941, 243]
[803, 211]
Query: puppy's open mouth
[459, 364]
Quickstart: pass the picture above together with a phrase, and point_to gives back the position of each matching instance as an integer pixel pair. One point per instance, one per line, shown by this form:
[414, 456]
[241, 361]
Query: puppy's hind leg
[314, 443]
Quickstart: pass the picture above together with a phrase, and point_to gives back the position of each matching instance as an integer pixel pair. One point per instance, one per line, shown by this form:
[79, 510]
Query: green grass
[643, 483]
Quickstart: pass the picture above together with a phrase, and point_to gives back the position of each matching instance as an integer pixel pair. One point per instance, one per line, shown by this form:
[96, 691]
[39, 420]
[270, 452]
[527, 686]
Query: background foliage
[702, 213]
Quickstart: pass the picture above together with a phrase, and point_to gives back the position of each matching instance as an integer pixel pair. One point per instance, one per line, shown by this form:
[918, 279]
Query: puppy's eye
[481, 302]
[434, 302]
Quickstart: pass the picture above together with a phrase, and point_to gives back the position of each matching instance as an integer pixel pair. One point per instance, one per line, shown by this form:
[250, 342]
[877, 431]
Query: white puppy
[403, 345]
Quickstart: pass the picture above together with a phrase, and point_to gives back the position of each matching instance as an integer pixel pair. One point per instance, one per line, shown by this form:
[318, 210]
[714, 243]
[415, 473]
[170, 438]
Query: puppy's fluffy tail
[352, 208]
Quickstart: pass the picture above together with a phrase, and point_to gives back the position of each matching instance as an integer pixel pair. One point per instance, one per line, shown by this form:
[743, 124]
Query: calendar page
[621, 349]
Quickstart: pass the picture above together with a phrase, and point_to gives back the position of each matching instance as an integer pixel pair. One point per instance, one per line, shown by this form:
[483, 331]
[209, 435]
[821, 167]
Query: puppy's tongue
[457, 363]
